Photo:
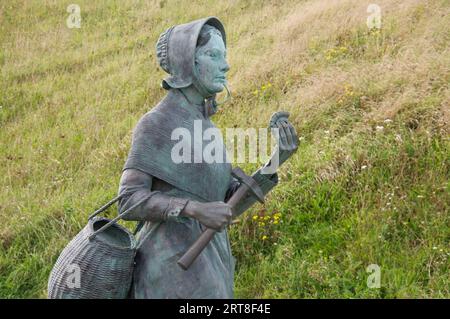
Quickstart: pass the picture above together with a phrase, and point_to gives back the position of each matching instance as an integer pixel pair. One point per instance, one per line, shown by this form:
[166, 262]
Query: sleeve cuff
[175, 207]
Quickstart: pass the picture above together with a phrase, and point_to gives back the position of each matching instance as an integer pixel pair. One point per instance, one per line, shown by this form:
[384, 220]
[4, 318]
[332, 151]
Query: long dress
[162, 242]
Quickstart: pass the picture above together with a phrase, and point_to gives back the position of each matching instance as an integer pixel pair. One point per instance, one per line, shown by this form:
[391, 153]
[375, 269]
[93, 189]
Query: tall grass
[368, 185]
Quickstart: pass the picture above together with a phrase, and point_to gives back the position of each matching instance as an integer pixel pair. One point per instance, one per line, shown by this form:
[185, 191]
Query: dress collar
[207, 107]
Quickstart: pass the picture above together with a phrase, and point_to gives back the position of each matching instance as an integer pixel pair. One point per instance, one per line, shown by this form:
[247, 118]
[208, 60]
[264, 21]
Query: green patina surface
[161, 244]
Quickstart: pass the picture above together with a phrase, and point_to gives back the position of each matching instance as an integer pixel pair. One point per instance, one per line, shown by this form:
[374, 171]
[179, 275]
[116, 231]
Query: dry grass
[69, 99]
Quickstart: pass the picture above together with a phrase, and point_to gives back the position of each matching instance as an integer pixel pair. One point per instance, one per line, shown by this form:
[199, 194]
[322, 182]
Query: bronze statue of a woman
[183, 199]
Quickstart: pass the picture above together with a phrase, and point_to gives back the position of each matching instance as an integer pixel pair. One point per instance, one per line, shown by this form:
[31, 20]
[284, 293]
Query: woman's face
[211, 64]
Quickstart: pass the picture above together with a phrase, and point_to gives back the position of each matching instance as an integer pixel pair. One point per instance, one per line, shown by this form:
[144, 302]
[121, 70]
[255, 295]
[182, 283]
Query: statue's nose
[225, 68]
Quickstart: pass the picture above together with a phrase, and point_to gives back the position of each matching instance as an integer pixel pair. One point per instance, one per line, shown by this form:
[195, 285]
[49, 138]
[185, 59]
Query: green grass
[368, 185]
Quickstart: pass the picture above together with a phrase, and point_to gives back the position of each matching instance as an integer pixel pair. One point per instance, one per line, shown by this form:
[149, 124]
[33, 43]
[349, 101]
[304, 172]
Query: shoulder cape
[152, 146]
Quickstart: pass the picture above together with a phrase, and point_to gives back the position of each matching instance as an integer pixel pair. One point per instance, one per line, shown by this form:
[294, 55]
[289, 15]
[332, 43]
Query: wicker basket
[97, 263]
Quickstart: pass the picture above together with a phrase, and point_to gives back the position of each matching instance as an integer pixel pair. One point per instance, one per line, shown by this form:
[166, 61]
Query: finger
[223, 226]
[294, 135]
[277, 116]
[282, 136]
[214, 226]
[290, 139]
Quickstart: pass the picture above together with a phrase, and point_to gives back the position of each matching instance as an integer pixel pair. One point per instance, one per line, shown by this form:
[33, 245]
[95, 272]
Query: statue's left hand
[288, 139]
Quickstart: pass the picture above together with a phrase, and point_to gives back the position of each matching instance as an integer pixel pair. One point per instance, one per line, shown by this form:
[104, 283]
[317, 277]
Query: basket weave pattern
[105, 269]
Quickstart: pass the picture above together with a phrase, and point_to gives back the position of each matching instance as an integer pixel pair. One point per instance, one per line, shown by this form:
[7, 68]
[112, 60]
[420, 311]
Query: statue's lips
[221, 78]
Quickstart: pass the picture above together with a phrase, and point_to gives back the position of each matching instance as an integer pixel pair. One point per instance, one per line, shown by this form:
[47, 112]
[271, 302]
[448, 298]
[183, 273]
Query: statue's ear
[196, 66]
[196, 70]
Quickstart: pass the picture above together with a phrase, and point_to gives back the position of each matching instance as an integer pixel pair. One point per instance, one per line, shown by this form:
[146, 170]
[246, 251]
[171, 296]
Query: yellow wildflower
[255, 217]
[264, 237]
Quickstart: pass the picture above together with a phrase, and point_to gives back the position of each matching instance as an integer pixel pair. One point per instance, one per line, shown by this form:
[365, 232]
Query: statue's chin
[215, 86]
[220, 86]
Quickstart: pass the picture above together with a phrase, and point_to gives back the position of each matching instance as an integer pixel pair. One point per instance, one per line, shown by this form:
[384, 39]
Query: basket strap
[112, 201]
[120, 216]
[104, 207]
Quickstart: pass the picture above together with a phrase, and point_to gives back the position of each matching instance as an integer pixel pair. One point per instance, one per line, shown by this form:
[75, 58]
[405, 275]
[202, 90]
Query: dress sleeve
[136, 185]
[266, 182]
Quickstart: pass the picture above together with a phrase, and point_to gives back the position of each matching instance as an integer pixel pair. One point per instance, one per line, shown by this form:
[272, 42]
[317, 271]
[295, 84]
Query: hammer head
[252, 185]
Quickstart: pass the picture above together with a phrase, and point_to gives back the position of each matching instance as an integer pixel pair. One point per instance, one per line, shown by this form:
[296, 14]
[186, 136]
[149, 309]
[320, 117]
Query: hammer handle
[194, 251]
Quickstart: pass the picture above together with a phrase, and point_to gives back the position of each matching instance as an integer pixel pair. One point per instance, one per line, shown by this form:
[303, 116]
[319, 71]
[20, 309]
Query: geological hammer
[248, 185]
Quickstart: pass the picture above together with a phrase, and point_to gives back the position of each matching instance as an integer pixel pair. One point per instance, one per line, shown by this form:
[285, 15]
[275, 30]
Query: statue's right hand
[215, 215]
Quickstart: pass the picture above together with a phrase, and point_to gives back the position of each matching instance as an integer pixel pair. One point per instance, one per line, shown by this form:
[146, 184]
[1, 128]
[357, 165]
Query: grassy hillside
[368, 185]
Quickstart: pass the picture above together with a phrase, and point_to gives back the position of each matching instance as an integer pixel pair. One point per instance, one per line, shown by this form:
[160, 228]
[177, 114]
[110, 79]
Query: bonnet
[175, 50]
